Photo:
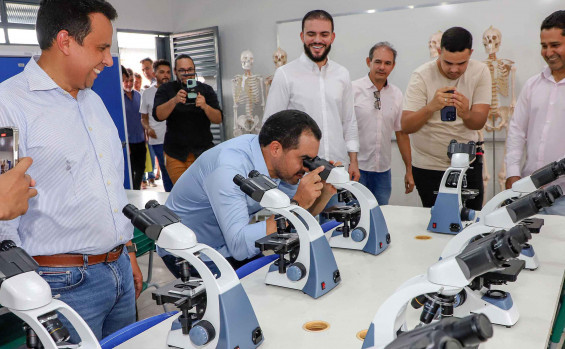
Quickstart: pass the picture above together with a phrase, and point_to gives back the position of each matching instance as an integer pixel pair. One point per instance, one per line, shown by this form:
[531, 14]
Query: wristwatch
[294, 202]
[132, 248]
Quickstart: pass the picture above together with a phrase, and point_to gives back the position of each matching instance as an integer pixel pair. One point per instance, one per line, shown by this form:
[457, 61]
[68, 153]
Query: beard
[321, 58]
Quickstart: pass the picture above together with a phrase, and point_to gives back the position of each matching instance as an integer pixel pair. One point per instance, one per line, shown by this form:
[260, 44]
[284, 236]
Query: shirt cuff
[512, 171]
[352, 146]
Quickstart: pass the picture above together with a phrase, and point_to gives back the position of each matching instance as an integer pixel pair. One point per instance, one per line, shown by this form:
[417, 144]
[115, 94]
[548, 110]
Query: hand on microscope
[511, 180]
[16, 189]
[313, 193]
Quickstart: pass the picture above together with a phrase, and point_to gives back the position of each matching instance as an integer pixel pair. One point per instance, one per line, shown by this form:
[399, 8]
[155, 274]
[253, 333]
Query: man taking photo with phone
[453, 80]
[188, 117]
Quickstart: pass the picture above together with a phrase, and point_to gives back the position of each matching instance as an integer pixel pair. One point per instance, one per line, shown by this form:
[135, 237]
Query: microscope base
[238, 325]
[321, 276]
[529, 256]
[500, 311]
[374, 243]
[446, 214]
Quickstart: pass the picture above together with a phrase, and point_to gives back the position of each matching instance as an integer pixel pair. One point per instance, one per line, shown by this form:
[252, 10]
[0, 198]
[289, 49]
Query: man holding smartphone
[188, 118]
[16, 188]
[454, 80]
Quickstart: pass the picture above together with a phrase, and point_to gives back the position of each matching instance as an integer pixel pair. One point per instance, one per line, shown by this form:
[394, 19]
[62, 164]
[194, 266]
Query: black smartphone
[8, 148]
[448, 113]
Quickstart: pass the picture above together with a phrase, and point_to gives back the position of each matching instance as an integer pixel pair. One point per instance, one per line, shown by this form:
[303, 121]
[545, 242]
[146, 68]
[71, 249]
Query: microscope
[449, 211]
[306, 261]
[524, 186]
[507, 216]
[223, 317]
[441, 285]
[28, 296]
[363, 224]
[452, 333]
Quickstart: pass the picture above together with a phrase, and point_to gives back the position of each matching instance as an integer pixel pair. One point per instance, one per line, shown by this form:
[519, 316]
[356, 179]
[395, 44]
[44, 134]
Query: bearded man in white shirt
[321, 88]
[538, 121]
[378, 108]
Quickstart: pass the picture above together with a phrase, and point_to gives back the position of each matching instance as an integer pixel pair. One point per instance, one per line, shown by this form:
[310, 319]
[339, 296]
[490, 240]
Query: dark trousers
[428, 181]
[137, 154]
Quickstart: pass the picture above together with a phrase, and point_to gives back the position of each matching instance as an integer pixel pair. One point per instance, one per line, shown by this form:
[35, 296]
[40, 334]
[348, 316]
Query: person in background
[136, 134]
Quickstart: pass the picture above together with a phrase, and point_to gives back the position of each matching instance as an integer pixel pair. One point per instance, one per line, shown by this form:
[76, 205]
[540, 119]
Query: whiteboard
[408, 30]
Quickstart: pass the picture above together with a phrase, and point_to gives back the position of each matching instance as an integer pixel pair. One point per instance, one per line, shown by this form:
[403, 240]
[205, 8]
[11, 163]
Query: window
[17, 21]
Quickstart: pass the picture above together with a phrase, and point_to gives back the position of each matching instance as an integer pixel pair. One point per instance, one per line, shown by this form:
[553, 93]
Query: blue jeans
[102, 294]
[379, 183]
[151, 175]
[167, 183]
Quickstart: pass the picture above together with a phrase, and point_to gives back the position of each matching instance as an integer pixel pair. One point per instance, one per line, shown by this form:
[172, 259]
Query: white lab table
[368, 280]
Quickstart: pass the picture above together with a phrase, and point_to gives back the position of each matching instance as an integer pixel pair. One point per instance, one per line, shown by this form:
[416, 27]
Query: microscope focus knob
[296, 271]
[358, 235]
[467, 214]
[202, 333]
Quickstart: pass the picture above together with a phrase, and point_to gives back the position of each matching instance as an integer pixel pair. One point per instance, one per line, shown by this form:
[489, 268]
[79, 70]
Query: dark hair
[160, 62]
[286, 127]
[383, 44]
[183, 56]
[146, 59]
[137, 75]
[555, 20]
[318, 14]
[125, 71]
[70, 15]
[456, 39]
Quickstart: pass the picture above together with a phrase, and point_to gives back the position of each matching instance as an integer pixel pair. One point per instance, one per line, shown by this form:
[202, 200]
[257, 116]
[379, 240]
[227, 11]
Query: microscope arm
[384, 329]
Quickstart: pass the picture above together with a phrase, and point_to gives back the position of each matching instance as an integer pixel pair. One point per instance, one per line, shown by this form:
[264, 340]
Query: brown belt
[77, 260]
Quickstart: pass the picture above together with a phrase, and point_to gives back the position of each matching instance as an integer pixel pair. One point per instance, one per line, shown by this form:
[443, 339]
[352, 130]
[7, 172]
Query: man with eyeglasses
[453, 80]
[188, 120]
[378, 107]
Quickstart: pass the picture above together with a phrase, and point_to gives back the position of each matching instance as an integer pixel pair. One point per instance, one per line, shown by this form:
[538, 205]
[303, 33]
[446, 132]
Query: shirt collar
[311, 64]
[546, 73]
[37, 78]
[257, 157]
[369, 84]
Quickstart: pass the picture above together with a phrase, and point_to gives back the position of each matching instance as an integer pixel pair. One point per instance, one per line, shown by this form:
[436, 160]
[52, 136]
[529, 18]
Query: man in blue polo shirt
[208, 202]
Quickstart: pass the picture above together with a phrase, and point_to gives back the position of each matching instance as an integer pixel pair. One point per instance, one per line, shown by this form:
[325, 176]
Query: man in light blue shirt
[208, 201]
[74, 227]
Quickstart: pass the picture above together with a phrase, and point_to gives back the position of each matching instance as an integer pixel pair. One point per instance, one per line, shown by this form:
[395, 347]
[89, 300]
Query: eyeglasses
[377, 95]
[187, 71]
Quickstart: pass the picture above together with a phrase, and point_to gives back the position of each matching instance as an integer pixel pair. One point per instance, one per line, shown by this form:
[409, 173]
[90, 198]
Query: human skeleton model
[503, 75]
[247, 90]
[279, 58]
[434, 43]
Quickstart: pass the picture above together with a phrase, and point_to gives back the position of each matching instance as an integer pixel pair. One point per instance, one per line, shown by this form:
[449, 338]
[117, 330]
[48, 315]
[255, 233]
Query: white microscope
[223, 317]
[506, 217]
[449, 212]
[306, 261]
[28, 296]
[524, 186]
[363, 224]
[441, 285]
[452, 333]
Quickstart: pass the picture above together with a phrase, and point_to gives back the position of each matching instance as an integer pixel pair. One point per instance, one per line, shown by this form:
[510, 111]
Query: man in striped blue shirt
[74, 228]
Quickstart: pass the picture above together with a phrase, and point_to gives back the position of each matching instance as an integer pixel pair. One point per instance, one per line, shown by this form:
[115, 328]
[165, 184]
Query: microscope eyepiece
[238, 180]
[254, 173]
[471, 330]
[506, 247]
[130, 211]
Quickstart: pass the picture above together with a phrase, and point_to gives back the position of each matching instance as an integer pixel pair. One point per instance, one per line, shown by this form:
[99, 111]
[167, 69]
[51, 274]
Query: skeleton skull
[491, 40]
[279, 57]
[434, 43]
[246, 60]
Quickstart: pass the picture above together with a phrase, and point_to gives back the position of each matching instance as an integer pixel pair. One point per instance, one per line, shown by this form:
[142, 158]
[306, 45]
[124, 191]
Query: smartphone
[8, 148]
[448, 113]
[191, 91]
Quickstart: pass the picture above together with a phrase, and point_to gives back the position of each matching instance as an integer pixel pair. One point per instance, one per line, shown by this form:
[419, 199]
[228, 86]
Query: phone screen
[8, 148]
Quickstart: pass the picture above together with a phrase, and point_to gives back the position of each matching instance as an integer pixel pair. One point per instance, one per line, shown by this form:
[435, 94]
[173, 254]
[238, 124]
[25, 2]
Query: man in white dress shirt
[378, 108]
[321, 88]
[538, 121]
